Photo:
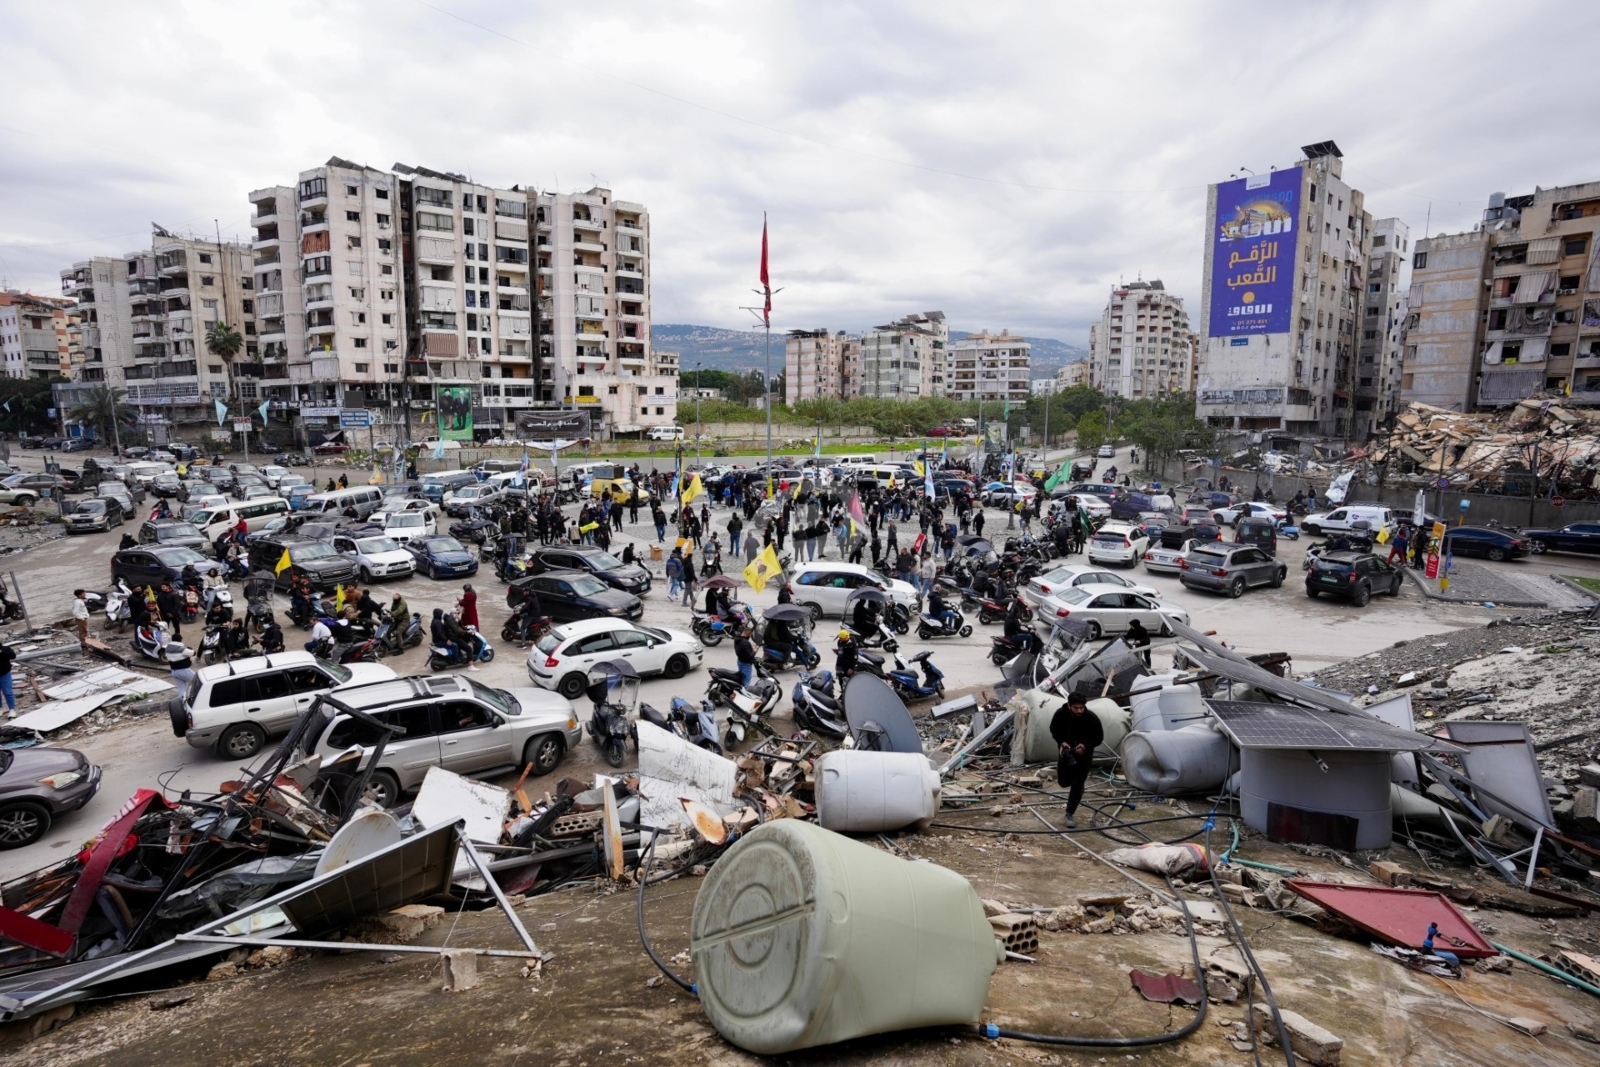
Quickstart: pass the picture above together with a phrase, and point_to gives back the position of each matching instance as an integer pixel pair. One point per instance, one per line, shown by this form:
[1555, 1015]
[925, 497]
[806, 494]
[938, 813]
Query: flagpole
[767, 385]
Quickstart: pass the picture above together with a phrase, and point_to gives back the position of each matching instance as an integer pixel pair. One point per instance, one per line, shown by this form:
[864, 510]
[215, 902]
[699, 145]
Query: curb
[1433, 594]
[1575, 587]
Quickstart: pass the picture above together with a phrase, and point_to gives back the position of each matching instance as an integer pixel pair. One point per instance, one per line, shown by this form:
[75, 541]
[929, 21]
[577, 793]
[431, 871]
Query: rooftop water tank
[1340, 799]
[802, 937]
[865, 792]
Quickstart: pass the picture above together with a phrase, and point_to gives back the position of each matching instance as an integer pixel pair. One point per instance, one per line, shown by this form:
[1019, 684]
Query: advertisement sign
[455, 412]
[1252, 254]
[242, 426]
[310, 412]
[355, 419]
[1433, 565]
[535, 425]
[1266, 395]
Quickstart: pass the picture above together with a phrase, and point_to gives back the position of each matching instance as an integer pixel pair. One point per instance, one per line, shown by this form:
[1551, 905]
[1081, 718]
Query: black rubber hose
[644, 938]
[990, 1030]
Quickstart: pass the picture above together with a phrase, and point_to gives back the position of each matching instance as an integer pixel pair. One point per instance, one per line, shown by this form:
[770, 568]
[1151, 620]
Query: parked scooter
[696, 725]
[905, 682]
[440, 657]
[748, 706]
[118, 598]
[613, 689]
[816, 708]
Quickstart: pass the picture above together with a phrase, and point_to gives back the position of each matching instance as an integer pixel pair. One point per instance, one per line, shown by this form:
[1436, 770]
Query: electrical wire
[1250, 957]
[644, 938]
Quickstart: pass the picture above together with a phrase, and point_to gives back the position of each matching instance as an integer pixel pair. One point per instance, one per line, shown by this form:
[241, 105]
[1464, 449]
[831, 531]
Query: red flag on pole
[766, 282]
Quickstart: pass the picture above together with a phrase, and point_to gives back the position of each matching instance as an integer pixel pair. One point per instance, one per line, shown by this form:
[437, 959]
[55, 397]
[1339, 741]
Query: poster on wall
[1252, 254]
[455, 412]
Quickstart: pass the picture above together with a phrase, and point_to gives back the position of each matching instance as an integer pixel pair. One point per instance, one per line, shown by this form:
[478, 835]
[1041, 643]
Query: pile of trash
[1493, 451]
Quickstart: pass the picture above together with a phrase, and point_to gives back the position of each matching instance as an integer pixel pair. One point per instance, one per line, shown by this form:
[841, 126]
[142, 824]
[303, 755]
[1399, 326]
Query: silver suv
[442, 720]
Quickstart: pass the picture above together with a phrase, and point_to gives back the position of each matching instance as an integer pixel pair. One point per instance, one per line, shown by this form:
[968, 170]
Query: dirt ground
[594, 1003]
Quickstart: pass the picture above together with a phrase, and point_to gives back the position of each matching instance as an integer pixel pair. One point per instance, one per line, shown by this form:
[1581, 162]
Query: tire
[1363, 595]
[573, 685]
[711, 638]
[729, 740]
[488, 654]
[508, 632]
[241, 741]
[1394, 587]
[1091, 631]
[179, 717]
[1496, 553]
[1277, 578]
[998, 658]
[544, 752]
[1313, 529]
[1236, 588]
[924, 633]
[901, 627]
[616, 753]
[1313, 593]
[677, 667]
[965, 631]
[816, 613]
[813, 661]
[383, 789]
[366, 576]
[23, 823]
[1538, 547]
[986, 618]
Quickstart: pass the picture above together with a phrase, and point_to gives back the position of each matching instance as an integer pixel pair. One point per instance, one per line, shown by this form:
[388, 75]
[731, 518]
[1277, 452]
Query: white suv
[1118, 542]
[234, 707]
[376, 556]
[824, 587]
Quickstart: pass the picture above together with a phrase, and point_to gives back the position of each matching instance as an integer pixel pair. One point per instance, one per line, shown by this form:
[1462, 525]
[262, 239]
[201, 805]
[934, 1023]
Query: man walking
[688, 579]
[6, 658]
[80, 620]
[1077, 734]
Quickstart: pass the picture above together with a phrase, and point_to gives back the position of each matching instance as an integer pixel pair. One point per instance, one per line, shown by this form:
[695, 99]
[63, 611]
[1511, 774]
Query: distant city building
[820, 365]
[985, 366]
[1045, 386]
[34, 335]
[1383, 325]
[1510, 309]
[1285, 277]
[905, 359]
[1142, 346]
[1071, 375]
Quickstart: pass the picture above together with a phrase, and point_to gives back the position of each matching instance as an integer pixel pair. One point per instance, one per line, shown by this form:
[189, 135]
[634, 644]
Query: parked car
[120, 493]
[77, 444]
[1259, 531]
[1486, 543]
[172, 532]
[1193, 513]
[1071, 575]
[1095, 507]
[442, 720]
[824, 586]
[1574, 537]
[375, 556]
[1230, 516]
[1107, 611]
[233, 708]
[628, 577]
[331, 448]
[1231, 569]
[1000, 495]
[317, 560]
[158, 563]
[440, 556]
[36, 785]
[561, 659]
[100, 513]
[1355, 576]
[1160, 558]
[665, 433]
[1106, 452]
[13, 492]
[1117, 542]
[33, 484]
[457, 503]
[567, 596]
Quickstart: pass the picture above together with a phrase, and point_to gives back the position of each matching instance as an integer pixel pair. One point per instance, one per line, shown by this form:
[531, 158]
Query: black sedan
[1482, 541]
[157, 564]
[442, 557]
[628, 577]
[1575, 537]
[567, 596]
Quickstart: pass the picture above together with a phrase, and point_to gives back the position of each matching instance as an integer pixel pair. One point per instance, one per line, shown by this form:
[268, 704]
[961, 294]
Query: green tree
[1092, 430]
[225, 342]
[103, 409]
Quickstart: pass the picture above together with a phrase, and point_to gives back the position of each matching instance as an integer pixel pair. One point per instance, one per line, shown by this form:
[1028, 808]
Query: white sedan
[561, 659]
[375, 557]
[1249, 509]
[1108, 611]
[1159, 559]
[1072, 575]
[1095, 507]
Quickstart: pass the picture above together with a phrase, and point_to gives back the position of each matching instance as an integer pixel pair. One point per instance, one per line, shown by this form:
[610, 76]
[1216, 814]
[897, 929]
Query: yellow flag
[696, 488]
[283, 564]
[921, 470]
[338, 597]
[763, 569]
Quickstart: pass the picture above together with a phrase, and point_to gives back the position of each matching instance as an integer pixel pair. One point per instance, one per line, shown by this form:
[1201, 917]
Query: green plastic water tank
[802, 937]
[1039, 746]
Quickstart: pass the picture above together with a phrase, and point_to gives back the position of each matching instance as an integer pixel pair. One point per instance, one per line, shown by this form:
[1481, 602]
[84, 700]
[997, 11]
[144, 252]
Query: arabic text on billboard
[455, 412]
[1252, 266]
[538, 425]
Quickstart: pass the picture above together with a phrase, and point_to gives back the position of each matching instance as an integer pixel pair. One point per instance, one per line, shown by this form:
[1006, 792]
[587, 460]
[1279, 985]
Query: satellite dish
[369, 830]
[878, 719]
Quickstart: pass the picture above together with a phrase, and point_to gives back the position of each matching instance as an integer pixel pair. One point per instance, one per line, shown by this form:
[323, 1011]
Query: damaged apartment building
[1511, 309]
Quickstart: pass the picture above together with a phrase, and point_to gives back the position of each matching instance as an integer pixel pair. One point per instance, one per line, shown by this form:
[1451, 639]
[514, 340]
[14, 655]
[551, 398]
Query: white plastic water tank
[864, 792]
[1310, 800]
[1183, 706]
[1194, 759]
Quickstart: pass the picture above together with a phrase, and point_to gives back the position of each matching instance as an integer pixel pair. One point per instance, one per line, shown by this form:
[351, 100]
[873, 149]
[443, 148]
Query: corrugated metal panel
[443, 344]
[1544, 250]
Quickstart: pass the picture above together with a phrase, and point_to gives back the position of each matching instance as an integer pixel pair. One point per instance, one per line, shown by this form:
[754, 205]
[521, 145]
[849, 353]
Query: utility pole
[697, 430]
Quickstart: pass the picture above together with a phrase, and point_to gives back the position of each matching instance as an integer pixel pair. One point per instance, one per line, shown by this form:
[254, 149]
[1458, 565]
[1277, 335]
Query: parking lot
[1315, 633]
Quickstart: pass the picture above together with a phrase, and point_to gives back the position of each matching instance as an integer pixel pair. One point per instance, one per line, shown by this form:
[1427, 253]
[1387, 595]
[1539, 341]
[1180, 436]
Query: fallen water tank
[864, 792]
[1040, 745]
[1195, 759]
[802, 937]
[1338, 799]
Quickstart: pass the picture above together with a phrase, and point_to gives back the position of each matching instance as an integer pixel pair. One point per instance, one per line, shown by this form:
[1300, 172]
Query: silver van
[362, 499]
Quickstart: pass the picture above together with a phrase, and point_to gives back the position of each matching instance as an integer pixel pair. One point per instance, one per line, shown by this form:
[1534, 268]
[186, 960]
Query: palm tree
[225, 342]
[103, 409]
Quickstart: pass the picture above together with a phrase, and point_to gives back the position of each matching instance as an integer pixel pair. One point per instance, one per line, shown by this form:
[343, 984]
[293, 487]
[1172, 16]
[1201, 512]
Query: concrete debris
[1307, 1040]
[1019, 933]
[1493, 451]
[460, 969]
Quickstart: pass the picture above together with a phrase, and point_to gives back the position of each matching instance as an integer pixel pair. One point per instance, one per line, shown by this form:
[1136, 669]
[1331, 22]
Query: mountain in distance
[715, 348]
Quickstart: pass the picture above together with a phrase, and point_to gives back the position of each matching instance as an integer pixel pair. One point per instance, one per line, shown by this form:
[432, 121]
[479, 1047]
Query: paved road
[1315, 632]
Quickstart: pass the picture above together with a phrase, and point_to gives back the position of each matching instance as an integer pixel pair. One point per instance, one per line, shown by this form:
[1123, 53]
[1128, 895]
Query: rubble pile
[1492, 451]
[23, 528]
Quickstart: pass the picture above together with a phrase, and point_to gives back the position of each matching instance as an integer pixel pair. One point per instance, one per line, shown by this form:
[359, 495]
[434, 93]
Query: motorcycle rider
[1016, 625]
[399, 618]
[235, 641]
[272, 637]
[321, 642]
[463, 641]
[939, 609]
[864, 617]
[780, 639]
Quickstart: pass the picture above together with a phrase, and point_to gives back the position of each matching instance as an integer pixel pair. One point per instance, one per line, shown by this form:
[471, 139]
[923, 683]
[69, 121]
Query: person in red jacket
[469, 607]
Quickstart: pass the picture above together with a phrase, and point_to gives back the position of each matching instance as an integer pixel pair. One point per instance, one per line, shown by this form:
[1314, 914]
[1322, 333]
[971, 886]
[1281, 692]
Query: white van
[578, 473]
[363, 499]
[849, 461]
[216, 520]
[665, 433]
[884, 472]
[1343, 520]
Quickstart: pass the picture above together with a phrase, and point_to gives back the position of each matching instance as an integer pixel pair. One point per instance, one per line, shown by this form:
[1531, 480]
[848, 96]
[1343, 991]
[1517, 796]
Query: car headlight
[62, 780]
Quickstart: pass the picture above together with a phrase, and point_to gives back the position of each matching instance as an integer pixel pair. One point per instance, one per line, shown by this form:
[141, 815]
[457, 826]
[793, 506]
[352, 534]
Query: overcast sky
[1004, 163]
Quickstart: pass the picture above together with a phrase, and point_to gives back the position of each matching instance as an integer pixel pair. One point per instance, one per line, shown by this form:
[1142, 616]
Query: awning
[1533, 286]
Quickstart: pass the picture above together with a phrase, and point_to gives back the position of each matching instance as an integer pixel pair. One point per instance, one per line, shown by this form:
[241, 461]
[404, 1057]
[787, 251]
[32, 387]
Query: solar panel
[1229, 665]
[1251, 724]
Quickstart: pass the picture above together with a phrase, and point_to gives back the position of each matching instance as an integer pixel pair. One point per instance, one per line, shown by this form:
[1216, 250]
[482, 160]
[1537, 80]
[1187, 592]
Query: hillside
[715, 348]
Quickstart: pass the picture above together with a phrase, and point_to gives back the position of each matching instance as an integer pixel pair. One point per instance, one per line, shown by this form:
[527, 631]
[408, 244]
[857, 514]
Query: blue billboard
[1252, 254]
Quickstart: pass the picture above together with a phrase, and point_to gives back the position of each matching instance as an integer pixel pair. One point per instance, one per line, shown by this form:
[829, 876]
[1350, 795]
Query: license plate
[1331, 579]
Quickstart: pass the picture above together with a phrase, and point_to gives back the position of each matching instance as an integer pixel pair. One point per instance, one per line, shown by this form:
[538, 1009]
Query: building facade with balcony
[34, 339]
[1511, 309]
[904, 359]
[1383, 326]
[986, 366]
[1282, 353]
[1142, 346]
[820, 365]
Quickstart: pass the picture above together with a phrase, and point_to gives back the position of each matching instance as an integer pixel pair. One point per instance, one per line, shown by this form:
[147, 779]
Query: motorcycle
[711, 629]
[361, 651]
[151, 641]
[613, 689]
[1288, 530]
[1003, 650]
[905, 682]
[696, 725]
[440, 657]
[816, 708]
[258, 605]
[929, 626]
[880, 637]
[303, 613]
[748, 706]
[989, 610]
[512, 630]
[210, 649]
[117, 604]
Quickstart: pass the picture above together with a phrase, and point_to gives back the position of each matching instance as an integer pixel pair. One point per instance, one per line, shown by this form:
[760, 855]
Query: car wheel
[1363, 595]
[677, 666]
[366, 576]
[816, 612]
[1394, 587]
[544, 752]
[1313, 529]
[241, 741]
[1538, 547]
[383, 789]
[1277, 578]
[573, 685]
[1091, 631]
[1496, 553]
[1236, 588]
[23, 823]
[1312, 593]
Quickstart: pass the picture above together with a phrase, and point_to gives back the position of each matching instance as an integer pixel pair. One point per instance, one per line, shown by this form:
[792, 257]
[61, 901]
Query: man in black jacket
[1077, 733]
[744, 650]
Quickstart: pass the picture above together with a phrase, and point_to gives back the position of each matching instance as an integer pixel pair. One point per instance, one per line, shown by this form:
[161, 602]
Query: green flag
[1062, 475]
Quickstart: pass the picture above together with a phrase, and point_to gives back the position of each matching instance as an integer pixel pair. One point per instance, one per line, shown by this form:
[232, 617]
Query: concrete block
[1531, 1027]
[460, 970]
[1589, 774]
[993, 907]
[1586, 808]
[1019, 933]
[1390, 873]
[1308, 1040]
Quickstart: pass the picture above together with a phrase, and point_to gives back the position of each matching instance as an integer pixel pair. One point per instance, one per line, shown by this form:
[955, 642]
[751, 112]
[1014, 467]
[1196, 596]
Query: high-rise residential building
[327, 260]
[988, 366]
[905, 359]
[1383, 325]
[1142, 346]
[33, 335]
[143, 321]
[1285, 277]
[820, 365]
[592, 286]
[469, 311]
[1511, 309]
